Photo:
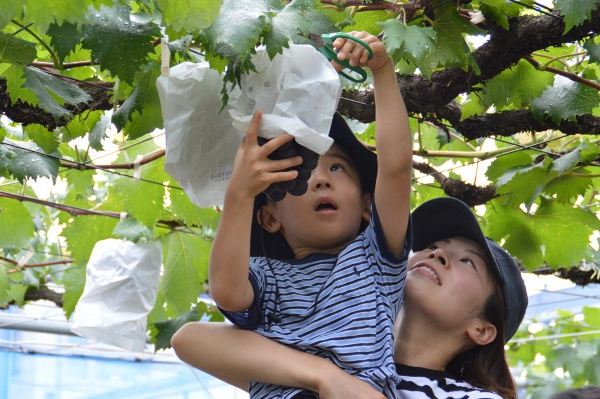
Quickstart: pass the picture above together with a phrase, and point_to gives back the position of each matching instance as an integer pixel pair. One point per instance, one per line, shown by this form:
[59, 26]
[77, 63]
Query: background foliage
[505, 87]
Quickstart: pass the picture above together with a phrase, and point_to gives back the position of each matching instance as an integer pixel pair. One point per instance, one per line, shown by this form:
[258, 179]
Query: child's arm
[229, 258]
[237, 356]
[393, 137]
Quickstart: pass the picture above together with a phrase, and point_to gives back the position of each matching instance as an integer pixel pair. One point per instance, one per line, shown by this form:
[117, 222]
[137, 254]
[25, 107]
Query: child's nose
[319, 179]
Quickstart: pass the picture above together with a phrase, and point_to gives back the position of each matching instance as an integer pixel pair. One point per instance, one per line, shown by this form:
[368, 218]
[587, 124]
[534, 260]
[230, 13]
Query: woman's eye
[469, 261]
[433, 247]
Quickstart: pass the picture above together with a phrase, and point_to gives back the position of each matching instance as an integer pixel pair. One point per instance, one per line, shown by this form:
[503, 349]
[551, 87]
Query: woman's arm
[237, 356]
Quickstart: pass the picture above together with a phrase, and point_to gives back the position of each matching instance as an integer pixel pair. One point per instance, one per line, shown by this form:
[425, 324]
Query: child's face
[329, 214]
[449, 280]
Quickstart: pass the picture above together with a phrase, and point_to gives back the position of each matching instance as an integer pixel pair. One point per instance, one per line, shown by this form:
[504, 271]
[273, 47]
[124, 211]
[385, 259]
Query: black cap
[365, 161]
[443, 218]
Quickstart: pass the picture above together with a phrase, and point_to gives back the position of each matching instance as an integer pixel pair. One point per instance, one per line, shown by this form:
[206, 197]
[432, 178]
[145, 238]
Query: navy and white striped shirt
[339, 307]
[420, 383]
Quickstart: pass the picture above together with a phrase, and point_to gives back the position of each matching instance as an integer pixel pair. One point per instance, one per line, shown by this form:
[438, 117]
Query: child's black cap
[263, 243]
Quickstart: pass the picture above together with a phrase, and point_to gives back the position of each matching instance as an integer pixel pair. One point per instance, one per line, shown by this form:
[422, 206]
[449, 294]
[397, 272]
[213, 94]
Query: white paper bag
[120, 290]
[297, 92]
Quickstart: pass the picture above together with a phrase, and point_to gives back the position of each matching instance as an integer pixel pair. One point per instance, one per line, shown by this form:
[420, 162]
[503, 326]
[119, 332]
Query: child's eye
[336, 168]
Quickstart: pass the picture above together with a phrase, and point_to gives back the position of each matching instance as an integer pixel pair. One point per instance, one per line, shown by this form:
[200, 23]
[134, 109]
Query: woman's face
[448, 282]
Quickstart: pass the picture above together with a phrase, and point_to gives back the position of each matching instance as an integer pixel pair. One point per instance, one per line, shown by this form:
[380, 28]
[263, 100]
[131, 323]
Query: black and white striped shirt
[420, 383]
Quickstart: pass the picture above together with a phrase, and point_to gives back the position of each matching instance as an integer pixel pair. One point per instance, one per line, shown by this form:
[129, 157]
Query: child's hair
[587, 392]
[482, 366]
[273, 245]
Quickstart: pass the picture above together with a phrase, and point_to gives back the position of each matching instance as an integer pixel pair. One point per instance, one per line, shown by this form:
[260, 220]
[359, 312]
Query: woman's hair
[485, 366]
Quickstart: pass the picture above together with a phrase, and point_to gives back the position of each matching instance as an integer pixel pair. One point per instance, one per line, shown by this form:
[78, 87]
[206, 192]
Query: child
[329, 287]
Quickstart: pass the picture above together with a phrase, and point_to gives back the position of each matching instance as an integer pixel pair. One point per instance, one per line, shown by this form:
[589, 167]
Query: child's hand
[253, 172]
[357, 55]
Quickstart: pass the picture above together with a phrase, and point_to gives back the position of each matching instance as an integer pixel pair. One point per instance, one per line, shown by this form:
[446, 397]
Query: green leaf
[567, 188]
[64, 38]
[99, 132]
[186, 268]
[593, 50]
[556, 234]
[4, 285]
[564, 100]
[517, 86]
[190, 213]
[591, 315]
[521, 185]
[44, 138]
[10, 9]
[168, 328]
[83, 233]
[131, 230]
[16, 227]
[80, 125]
[570, 160]
[74, 283]
[451, 50]
[493, 3]
[16, 51]
[40, 82]
[238, 28]
[143, 199]
[143, 100]
[575, 12]
[287, 24]
[22, 160]
[14, 86]
[189, 15]
[413, 43]
[119, 44]
[43, 13]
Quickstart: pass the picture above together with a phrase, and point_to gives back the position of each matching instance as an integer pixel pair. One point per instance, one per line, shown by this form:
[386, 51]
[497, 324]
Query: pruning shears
[324, 43]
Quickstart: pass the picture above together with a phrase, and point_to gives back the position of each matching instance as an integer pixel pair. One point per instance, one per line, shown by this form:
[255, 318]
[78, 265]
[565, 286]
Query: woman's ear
[267, 219]
[482, 333]
[366, 211]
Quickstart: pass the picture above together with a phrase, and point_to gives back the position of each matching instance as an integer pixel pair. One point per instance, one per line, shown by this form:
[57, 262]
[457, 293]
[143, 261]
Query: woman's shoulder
[417, 382]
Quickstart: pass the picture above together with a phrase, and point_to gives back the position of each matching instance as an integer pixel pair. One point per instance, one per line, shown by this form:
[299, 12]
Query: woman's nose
[438, 255]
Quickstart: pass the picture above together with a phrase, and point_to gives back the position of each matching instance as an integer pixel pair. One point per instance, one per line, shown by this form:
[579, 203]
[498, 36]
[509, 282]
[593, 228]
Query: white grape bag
[120, 290]
[297, 92]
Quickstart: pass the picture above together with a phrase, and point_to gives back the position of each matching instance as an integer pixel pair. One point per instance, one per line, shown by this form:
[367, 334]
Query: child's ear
[366, 211]
[482, 333]
[269, 221]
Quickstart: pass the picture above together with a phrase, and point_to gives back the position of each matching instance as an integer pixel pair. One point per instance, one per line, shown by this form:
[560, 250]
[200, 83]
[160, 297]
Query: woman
[464, 300]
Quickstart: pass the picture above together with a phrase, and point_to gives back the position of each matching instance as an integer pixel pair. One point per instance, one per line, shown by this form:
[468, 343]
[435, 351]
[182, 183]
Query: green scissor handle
[328, 51]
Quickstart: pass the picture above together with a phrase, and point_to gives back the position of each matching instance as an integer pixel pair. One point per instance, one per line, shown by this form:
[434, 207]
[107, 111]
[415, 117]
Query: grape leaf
[143, 200]
[593, 50]
[144, 100]
[568, 187]
[517, 86]
[191, 214]
[527, 186]
[564, 100]
[573, 158]
[556, 234]
[493, 3]
[43, 13]
[99, 132]
[287, 24]
[119, 44]
[189, 15]
[166, 329]
[9, 10]
[16, 51]
[44, 138]
[80, 125]
[4, 285]
[368, 21]
[40, 82]
[131, 230]
[14, 86]
[413, 43]
[74, 283]
[575, 12]
[24, 159]
[64, 38]
[83, 232]
[16, 227]
[451, 50]
[186, 268]
[238, 27]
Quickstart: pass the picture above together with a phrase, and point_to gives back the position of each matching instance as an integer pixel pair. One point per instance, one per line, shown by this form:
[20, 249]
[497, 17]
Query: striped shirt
[340, 307]
[420, 383]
